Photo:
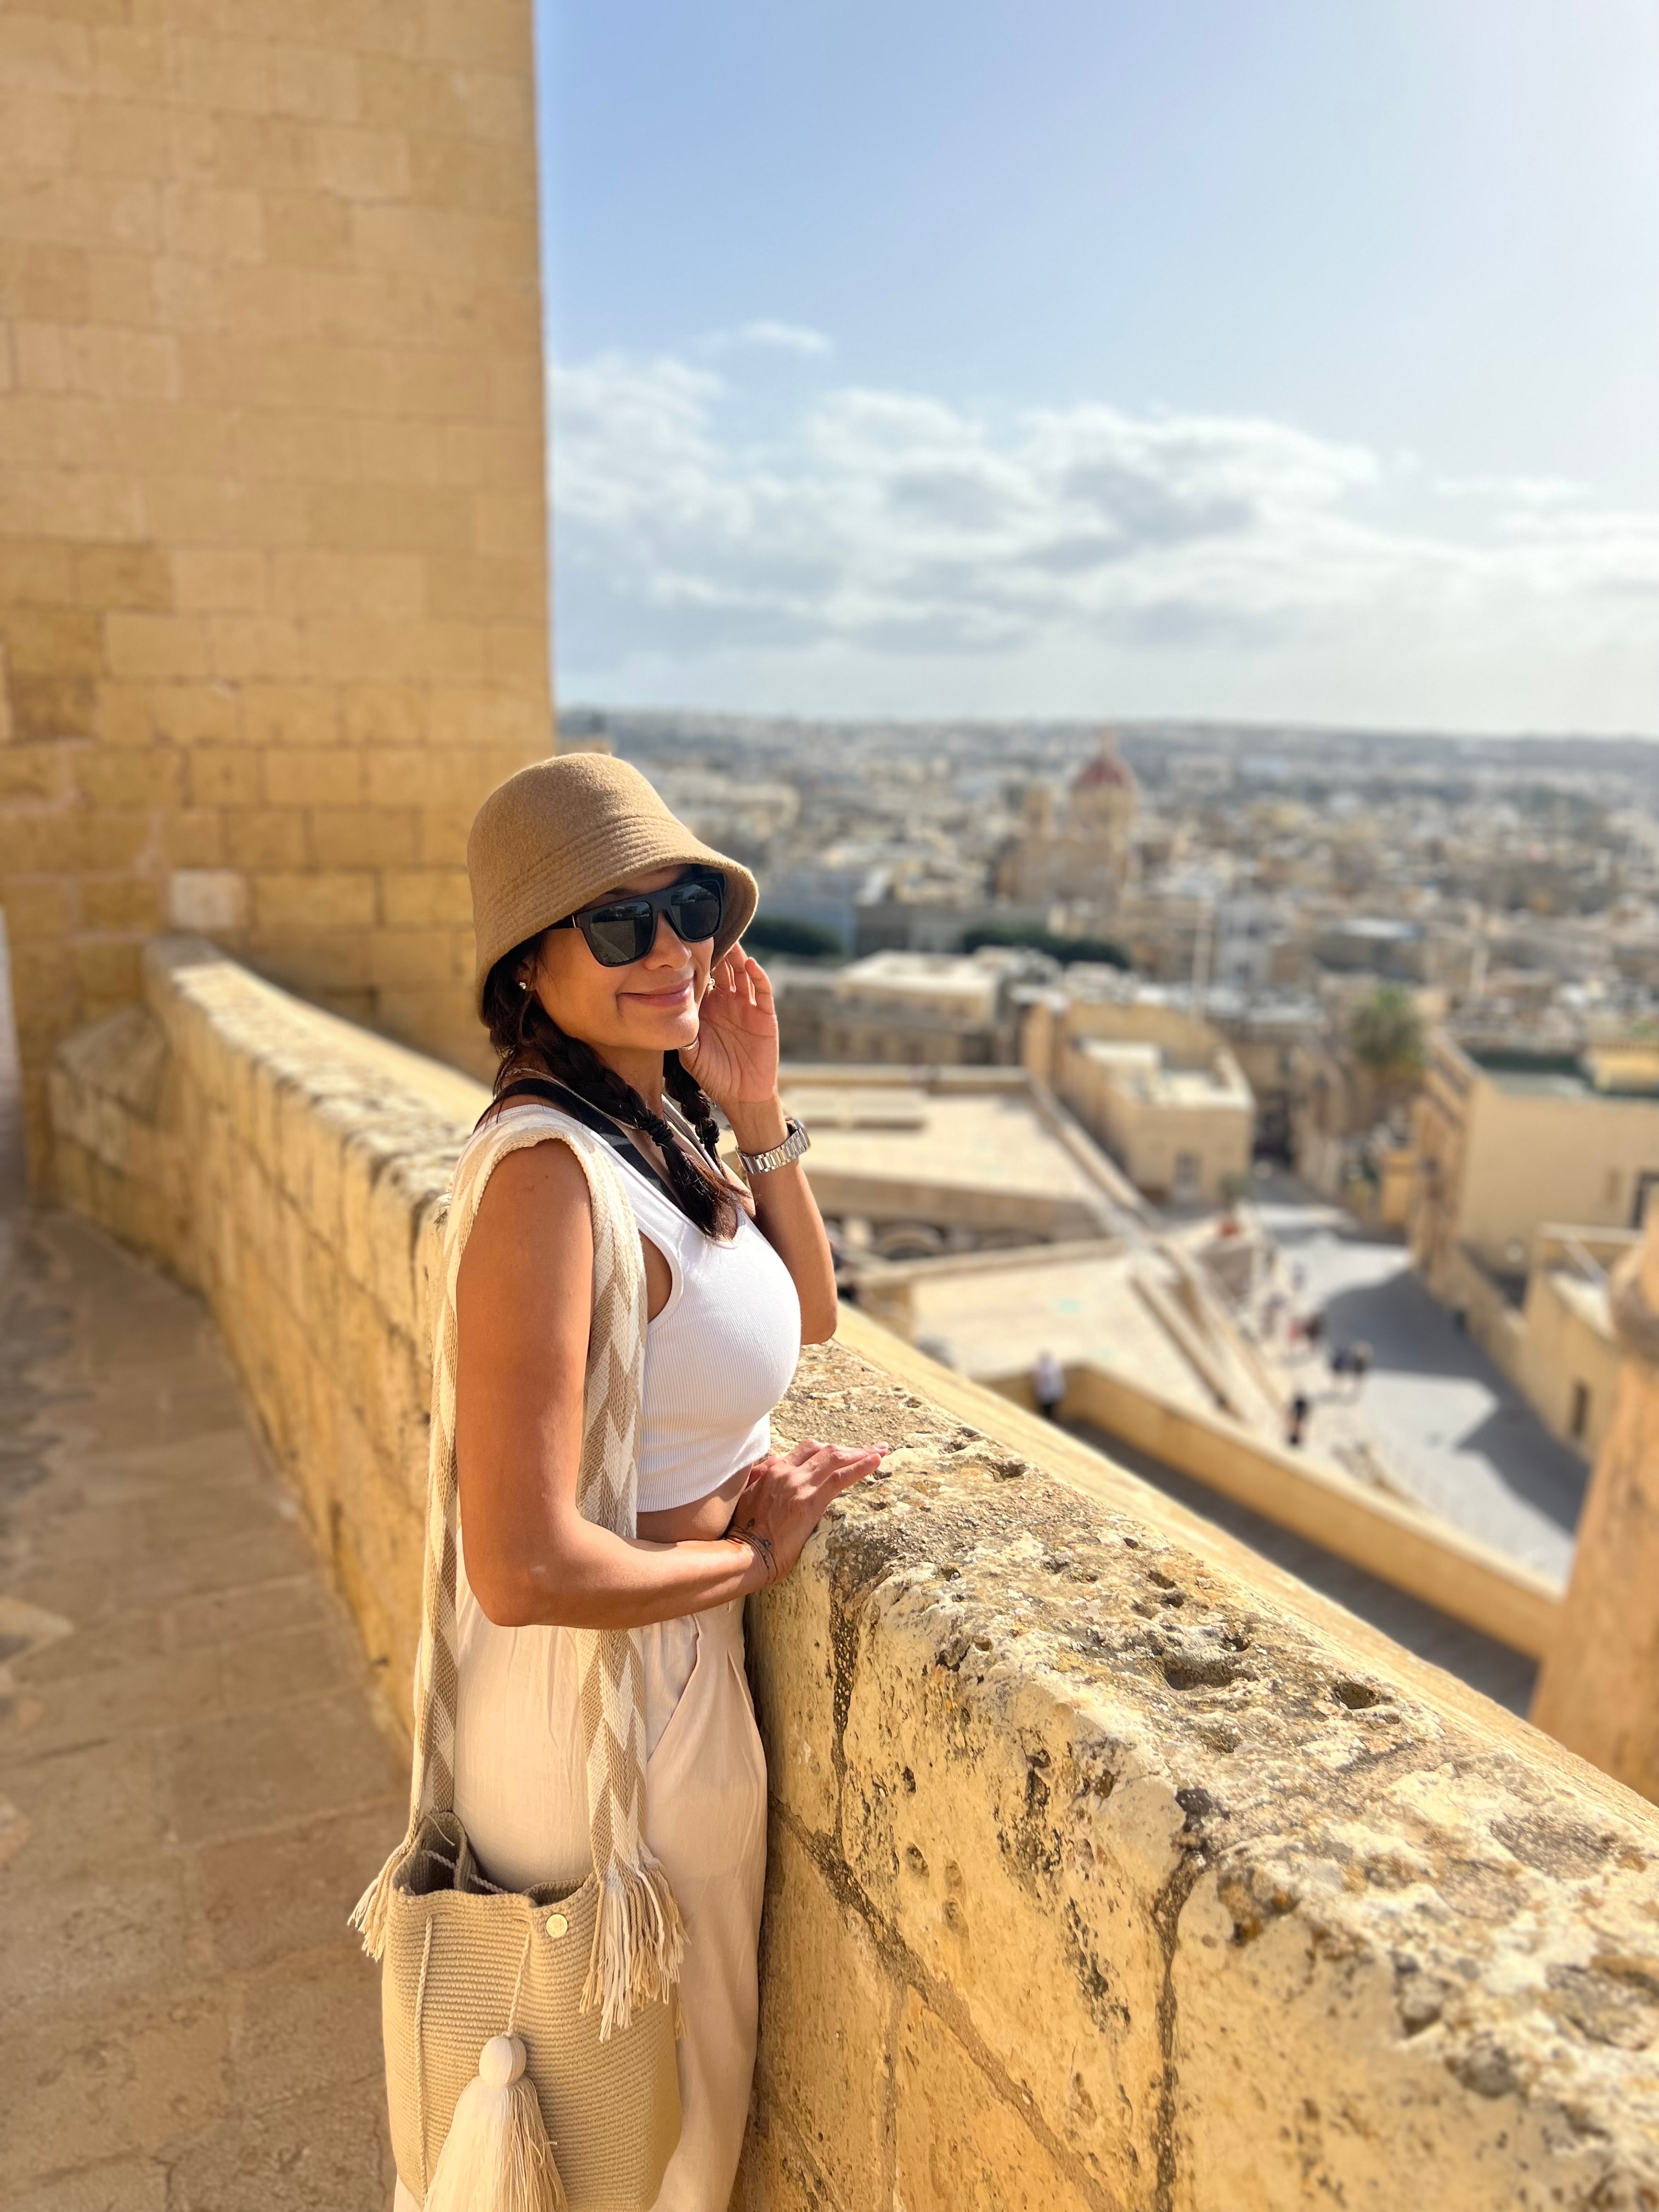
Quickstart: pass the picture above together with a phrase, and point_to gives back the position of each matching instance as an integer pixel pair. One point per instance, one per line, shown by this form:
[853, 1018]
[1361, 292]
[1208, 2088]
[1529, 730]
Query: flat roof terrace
[1142, 1072]
[1082, 1307]
[1630, 1077]
[986, 1152]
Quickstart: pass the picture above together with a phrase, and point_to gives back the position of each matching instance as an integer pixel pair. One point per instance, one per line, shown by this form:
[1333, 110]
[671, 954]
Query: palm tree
[1385, 1033]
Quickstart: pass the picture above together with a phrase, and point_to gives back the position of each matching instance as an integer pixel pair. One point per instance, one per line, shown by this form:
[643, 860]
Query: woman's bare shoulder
[545, 1172]
[535, 1203]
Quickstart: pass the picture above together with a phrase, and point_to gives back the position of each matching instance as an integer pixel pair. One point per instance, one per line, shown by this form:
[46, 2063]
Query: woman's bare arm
[788, 1215]
[524, 1306]
[736, 1060]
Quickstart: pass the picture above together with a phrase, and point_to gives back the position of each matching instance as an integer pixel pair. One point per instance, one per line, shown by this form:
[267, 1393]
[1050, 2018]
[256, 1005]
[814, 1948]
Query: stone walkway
[195, 1789]
[1449, 1429]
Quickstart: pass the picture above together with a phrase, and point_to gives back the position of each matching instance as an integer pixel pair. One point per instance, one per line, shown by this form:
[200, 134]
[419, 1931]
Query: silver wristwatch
[792, 1146]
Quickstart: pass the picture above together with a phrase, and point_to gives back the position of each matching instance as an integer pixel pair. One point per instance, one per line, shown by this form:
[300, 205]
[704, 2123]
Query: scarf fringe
[638, 1945]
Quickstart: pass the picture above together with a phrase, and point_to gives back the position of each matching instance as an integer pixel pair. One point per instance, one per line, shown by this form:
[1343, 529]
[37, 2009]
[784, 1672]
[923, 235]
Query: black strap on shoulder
[581, 1110]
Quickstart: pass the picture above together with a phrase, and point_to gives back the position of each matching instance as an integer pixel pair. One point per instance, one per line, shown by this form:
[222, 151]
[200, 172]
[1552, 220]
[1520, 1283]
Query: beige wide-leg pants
[520, 1793]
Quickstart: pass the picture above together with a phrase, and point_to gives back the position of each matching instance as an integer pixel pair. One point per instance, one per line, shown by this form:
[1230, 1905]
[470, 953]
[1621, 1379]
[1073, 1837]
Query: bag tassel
[369, 1913]
[638, 1945]
[496, 2156]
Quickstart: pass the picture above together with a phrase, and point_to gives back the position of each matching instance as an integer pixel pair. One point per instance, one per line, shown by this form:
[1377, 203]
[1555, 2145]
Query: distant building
[1508, 1141]
[917, 1009]
[1595, 1687]
[826, 895]
[1081, 851]
[1274, 1037]
[1401, 950]
[1569, 1365]
[1166, 933]
[1374, 945]
[908, 1009]
[1181, 1129]
[1155, 1072]
[909, 1161]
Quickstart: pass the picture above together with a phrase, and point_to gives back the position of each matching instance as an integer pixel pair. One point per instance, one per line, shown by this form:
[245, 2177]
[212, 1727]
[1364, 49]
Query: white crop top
[718, 1357]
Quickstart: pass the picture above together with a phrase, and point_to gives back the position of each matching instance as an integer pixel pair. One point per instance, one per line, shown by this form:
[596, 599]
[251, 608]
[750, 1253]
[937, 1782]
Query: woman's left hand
[735, 1058]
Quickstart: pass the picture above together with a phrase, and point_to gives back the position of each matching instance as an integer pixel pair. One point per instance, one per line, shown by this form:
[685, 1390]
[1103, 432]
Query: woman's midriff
[701, 1519]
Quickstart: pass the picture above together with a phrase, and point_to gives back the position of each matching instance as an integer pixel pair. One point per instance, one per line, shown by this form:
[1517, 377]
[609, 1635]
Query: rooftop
[1079, 1306]
[1588, 1301]
[1603, 1072]
[934, 1139]
[1141, 1071]
[1106, 768]
[951, 979]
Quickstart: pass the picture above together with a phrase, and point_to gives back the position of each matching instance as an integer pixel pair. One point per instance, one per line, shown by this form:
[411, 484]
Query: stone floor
[1451, 1431]
[195, 1789]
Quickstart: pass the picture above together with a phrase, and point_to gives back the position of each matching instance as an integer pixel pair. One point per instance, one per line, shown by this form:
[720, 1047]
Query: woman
[608, 961]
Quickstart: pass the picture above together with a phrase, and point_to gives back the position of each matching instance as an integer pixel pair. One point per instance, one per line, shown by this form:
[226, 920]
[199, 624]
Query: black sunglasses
[619, 930]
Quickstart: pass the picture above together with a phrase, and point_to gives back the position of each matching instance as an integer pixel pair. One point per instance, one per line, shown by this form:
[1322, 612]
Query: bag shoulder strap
[616, 1359]
[572, 1103]
[639, 1936]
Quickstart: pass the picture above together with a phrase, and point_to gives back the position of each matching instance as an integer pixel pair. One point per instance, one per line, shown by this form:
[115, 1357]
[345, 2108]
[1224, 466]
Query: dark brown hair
[531, 1042]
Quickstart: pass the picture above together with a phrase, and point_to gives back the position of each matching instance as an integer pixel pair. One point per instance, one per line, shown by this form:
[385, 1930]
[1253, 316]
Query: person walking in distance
[1048, 1385]
[1297, 1420]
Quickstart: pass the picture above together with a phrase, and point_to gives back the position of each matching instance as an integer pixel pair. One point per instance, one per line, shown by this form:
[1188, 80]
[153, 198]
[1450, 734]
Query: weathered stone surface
[114, 2186]
[826, 2061]
[776, 2169]
[796, 1700]
[273, 605]
[1020, 1870]
[1109, 1867]
[184, 2019]
[327, 2149]
[960, 2146]
[1137, 1764]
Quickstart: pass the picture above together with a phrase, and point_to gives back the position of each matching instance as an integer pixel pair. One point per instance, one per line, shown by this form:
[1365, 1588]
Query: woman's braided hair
[531, 1042]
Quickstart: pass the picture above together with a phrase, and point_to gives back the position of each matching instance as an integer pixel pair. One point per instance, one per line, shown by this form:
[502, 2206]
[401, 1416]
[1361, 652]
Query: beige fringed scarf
[638, 1939]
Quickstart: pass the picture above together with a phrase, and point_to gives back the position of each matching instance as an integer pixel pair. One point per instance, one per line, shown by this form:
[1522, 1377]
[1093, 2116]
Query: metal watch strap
[793, 1145]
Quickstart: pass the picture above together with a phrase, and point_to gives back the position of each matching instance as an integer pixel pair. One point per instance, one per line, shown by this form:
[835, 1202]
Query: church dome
[1105, 772]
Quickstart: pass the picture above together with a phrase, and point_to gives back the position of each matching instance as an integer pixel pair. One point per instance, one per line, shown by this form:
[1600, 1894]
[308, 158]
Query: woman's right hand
[785, 1496]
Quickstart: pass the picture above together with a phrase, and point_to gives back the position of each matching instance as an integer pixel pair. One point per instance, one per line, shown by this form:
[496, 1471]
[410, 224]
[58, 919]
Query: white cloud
[894, 550]
[786, 338]
[1512, 491]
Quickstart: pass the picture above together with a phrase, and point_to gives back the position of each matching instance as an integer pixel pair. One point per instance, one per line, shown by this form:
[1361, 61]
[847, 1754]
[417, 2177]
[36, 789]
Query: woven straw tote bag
[530, 2036]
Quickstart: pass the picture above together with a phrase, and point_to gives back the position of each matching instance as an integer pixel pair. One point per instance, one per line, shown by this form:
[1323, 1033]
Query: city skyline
[1413, 495]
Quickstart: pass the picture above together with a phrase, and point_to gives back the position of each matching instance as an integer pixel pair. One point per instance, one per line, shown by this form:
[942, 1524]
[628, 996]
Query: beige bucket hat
[562, 833]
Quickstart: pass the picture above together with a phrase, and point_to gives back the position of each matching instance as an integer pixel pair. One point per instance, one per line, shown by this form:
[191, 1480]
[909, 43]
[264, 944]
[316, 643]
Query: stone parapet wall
[1109, 1868]
[1389, 1537]
[290, 1166]
[273, 590]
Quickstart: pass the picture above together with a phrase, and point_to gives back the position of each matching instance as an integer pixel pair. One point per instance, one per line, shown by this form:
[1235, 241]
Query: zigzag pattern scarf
[638, 1939]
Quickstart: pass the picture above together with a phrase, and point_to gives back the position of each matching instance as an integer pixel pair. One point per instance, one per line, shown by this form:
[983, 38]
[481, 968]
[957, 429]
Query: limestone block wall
[273, 606]
[1109, 1868]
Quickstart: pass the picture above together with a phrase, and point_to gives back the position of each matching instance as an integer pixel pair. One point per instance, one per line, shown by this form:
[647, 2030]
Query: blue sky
[1268, 360]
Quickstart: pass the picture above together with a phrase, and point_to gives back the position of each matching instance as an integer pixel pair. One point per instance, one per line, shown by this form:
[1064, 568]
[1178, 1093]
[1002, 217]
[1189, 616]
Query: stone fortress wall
[273, 582]
[1109, 1868]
